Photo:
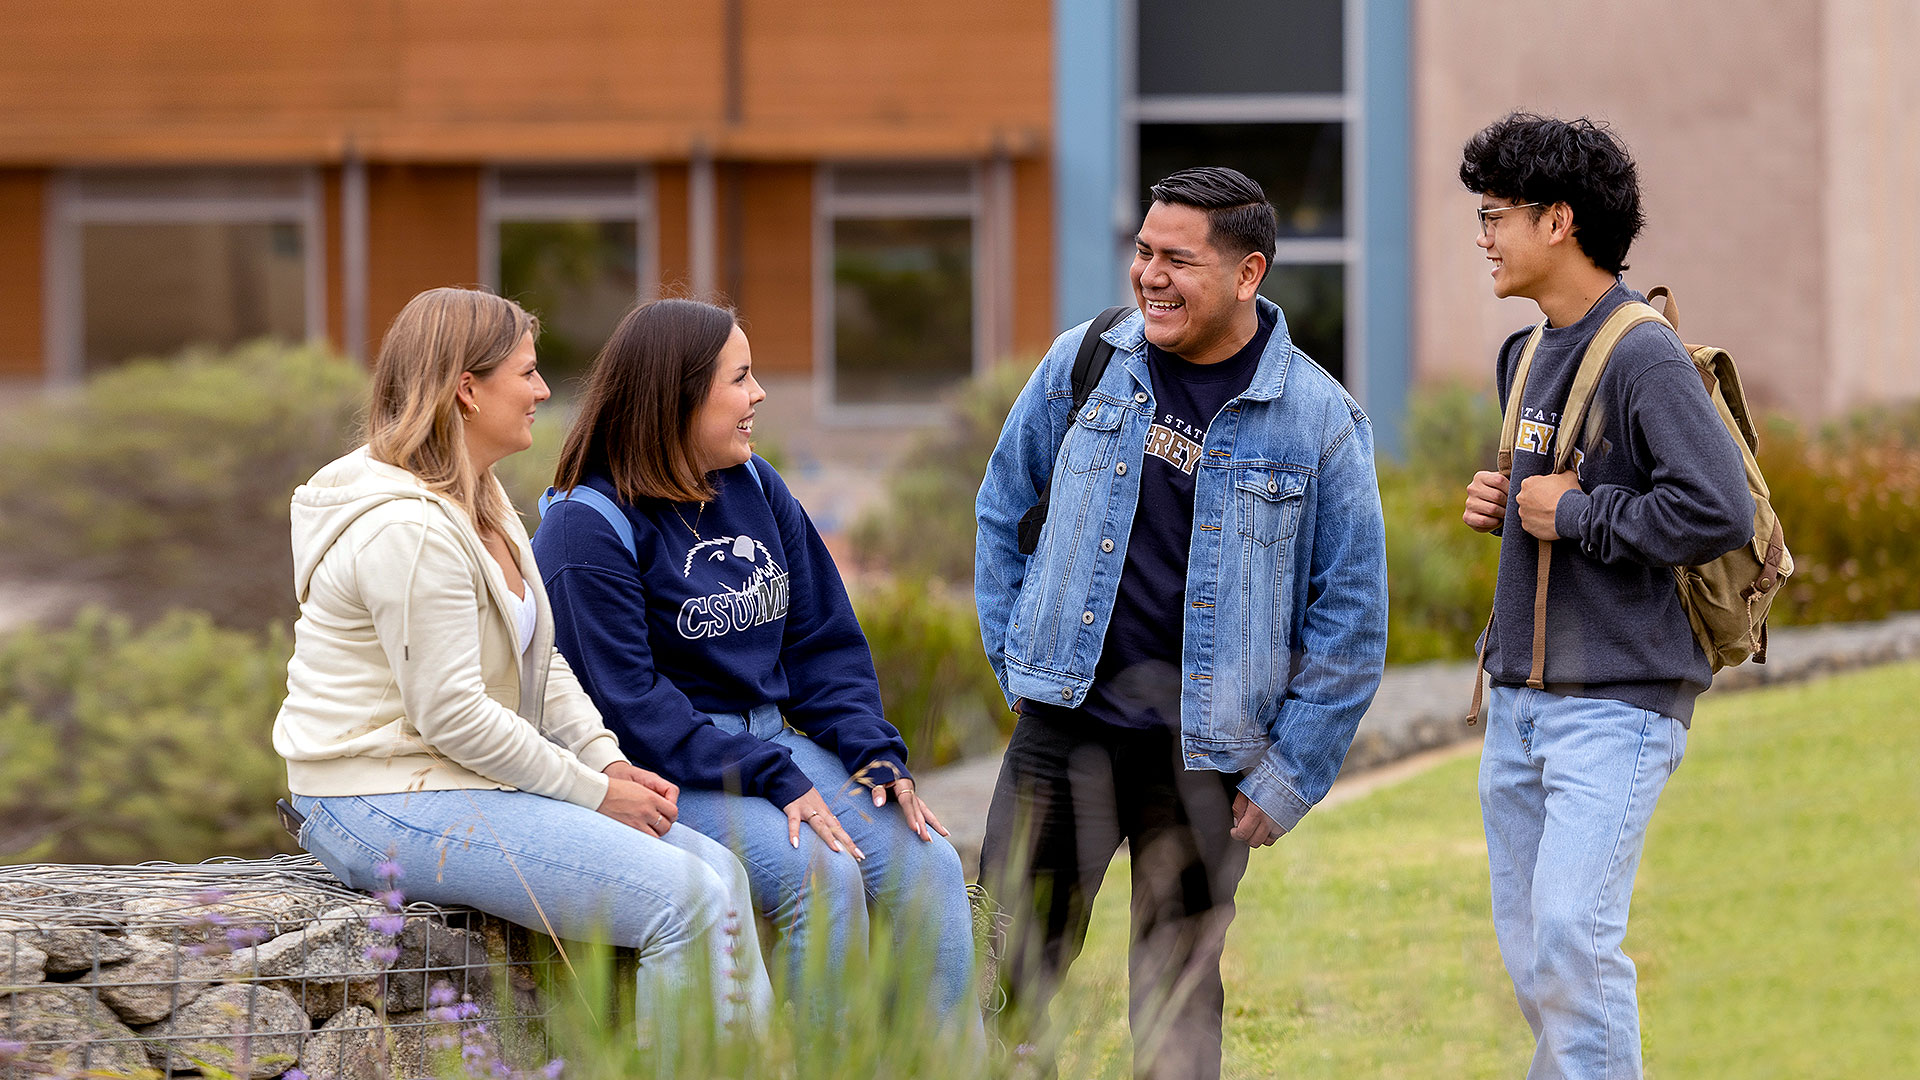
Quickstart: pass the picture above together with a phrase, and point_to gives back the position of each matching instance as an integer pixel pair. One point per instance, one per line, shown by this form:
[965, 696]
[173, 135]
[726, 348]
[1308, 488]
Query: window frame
[977, 204]
[641, 207]
[1344, 108]
[70, 209]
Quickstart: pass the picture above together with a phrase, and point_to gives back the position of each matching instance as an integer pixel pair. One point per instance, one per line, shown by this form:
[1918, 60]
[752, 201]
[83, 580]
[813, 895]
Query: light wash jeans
[1567, 786]
[670, 899]
[918, 883]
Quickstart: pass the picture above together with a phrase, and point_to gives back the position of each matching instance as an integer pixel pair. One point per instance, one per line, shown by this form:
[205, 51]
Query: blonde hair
[414, 420]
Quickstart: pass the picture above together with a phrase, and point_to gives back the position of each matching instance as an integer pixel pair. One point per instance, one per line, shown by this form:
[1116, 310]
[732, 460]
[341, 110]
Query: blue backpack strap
[753, 470]
[586, 496]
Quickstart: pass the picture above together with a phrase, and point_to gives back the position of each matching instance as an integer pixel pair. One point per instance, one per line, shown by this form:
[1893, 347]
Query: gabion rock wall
[253, 968]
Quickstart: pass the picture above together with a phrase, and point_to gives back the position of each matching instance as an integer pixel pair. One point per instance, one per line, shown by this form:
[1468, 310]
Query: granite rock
[154, 981]
[250, 1032]
[63, 1026]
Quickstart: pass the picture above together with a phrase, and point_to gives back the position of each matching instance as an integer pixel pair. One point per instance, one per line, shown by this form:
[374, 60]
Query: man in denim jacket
[1200, 628]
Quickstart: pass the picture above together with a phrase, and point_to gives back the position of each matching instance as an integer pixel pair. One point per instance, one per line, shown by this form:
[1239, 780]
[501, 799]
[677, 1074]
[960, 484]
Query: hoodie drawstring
[406, 604]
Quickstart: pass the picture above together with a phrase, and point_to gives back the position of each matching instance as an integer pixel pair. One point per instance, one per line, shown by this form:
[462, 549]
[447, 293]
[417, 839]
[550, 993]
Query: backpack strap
[1509, 437]
[1516, 387]
[594, 500]
[1573, 418]
[1095, 352]
[1088, 365]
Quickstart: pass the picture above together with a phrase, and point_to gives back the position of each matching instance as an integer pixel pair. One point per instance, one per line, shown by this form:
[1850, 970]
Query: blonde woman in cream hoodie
[430, 726]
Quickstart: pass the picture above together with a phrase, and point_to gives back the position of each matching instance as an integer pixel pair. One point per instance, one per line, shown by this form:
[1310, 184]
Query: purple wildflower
[389, 925]
[240, 937]
[10, 1049]
[388, 871]
[393, 898]
[552, 1069]
[442, 994]
[293, 1074]
[383, 954]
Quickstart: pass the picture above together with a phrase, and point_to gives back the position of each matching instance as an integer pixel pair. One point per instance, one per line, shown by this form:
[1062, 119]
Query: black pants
[1070, 790]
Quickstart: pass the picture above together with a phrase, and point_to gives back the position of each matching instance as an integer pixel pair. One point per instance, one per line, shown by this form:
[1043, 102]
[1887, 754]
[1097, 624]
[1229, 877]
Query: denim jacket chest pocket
[1267, 501]
[1094, 438]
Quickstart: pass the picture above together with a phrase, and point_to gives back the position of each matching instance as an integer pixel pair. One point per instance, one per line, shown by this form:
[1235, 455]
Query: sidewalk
[1418, 717]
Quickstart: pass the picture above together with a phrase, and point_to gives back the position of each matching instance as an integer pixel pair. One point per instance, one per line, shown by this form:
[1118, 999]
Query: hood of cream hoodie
[344, 727]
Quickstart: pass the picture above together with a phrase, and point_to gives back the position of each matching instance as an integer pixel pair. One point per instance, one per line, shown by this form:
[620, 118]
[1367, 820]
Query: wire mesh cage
[249, 968]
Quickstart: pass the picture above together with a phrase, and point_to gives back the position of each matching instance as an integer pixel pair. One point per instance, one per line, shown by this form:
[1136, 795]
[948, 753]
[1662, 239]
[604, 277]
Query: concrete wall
[1722, 105]
[1871, 220]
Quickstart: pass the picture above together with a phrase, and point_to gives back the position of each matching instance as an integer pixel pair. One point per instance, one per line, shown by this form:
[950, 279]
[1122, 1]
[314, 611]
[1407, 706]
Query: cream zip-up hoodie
[406, 672]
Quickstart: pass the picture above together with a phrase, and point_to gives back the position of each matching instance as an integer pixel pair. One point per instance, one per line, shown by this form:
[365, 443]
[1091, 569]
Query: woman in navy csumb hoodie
[705, 618]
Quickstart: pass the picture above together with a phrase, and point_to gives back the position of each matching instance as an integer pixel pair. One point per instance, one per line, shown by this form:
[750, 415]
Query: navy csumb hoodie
[730, 607]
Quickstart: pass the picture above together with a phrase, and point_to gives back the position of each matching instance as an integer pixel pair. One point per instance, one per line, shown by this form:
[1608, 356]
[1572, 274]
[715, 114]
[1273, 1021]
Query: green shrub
[1440, 573]
[934, 679]
[165, 483]
[925, 525]
[1849, 503]
[119, 745]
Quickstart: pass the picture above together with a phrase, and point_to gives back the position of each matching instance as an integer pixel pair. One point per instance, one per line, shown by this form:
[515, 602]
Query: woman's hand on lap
[812, 810]
[640, 806]
[919, 814]
[652, 781]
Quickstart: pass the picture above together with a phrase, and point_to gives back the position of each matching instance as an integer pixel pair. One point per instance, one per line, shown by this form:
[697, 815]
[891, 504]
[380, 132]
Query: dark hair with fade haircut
[1530, 158]
[1240, 220]
[635, 423]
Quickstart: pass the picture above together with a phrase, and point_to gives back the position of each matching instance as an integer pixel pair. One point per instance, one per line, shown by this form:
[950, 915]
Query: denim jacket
[1285, 632]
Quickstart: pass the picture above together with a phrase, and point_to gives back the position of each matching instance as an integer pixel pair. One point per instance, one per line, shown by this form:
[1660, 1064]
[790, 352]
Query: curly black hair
[1531, 158]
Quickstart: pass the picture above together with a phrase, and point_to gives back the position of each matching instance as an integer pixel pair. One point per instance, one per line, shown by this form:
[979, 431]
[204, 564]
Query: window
[1262, 88]
[152, 261]
[574, 246]
[897, 306]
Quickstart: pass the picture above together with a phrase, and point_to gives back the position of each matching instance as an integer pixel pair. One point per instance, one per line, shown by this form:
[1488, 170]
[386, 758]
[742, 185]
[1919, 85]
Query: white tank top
[526, 612]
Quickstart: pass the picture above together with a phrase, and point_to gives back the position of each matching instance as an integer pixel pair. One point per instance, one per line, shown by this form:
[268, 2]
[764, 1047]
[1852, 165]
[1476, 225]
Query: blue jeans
[918, 883]
[1567, 787]
[671, 899]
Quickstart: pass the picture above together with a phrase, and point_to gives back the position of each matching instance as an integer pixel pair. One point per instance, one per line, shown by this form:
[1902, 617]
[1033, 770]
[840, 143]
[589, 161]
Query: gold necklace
[695, 527]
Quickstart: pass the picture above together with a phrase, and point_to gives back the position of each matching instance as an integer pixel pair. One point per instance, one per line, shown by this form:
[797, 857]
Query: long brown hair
[635, 422]
[414, 420]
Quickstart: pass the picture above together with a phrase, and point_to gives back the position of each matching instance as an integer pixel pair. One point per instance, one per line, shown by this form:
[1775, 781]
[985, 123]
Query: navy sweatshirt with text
[727, 607]
[1661, 485]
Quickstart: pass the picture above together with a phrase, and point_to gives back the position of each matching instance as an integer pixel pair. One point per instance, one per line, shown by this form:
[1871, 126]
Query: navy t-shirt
[1137, 682]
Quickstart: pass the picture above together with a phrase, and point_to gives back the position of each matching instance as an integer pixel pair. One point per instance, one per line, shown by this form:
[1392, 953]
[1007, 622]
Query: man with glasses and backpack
[1626, 509]
[1181, 581]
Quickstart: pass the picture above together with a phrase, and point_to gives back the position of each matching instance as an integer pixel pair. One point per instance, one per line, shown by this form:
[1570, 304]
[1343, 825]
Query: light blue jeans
[917, 883]
[680, 901]
[1567, 787]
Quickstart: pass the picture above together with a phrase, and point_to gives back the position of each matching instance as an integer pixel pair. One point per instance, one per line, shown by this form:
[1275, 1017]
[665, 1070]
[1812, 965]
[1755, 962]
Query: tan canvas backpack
[1726, 600]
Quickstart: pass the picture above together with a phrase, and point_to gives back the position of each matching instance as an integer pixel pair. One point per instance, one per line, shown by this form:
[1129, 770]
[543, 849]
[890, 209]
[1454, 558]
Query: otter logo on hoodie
[761, 597]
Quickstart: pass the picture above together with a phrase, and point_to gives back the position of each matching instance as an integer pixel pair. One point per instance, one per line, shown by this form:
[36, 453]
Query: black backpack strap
[1088, 365]
[1091, 361]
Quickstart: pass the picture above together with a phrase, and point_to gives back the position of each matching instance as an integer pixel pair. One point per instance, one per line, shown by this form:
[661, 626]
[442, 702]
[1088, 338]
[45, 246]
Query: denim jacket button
[1066, 693]
[1106, 545]
[1140, 397]
[1121, 469]
[1272, 487]
[1087, 617]
[1093, 412]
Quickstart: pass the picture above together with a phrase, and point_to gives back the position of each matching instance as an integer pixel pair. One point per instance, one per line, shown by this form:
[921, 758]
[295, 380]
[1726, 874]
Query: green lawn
[1776, 922]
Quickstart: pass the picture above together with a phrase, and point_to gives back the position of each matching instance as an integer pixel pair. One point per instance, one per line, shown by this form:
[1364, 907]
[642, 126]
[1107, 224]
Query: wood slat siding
[467, 80]
[423, 231]
[1034, 322]
[22, 254]
[776, 270]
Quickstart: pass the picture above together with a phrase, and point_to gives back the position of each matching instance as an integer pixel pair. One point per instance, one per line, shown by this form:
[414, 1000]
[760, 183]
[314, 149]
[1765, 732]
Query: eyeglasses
[1490, 215]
